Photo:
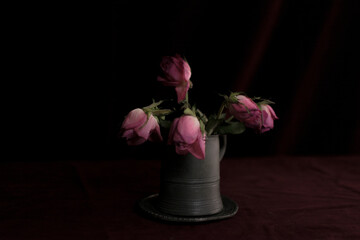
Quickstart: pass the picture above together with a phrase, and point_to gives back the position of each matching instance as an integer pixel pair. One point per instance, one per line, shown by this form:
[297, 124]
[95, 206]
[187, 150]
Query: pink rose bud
[246, 111]
[268, 116]
[185, 133]
[176, 73]
[137, 128]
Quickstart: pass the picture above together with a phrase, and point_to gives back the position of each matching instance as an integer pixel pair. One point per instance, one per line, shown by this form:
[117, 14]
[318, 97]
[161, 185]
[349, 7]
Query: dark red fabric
[278, 198]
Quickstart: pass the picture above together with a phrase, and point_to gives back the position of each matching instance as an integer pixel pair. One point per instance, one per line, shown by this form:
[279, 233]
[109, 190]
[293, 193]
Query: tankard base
[148, 206]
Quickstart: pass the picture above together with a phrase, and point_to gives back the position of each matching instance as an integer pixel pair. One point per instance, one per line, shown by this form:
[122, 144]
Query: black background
[99, 63]
[307, 65]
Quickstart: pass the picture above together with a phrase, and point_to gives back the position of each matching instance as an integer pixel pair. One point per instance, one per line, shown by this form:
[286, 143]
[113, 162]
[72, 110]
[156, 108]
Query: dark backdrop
[303, 55]
[300, 54]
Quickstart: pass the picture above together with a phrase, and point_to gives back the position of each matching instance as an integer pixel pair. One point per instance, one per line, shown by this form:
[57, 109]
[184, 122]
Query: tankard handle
[223, 143]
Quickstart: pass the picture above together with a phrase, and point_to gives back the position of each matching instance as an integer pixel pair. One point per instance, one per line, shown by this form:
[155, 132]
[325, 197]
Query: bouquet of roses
[187, 126]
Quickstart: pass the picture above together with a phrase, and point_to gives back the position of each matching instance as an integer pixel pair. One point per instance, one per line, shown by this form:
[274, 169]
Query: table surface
[278, 198]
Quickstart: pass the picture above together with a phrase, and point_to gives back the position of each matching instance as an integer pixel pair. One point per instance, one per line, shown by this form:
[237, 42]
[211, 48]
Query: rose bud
[137, 128]
[246, 111]
[185, 133]
[268, 116]
[176, 73]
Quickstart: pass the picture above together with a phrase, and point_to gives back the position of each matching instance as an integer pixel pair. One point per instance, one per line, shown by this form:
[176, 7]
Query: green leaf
[154, 104]
[193, 108]
[165, 123]
[265, 102]
[222, 116]
[229, 119]
[233, 99]
[188, 111]
[202, 116]
[237, 93]
[202, 126]
[231, 128]
[161, 112]
[212, 123]
[225, 97]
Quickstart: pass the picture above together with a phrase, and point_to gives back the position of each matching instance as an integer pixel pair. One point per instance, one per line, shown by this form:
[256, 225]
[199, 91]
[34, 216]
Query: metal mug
[191, 186]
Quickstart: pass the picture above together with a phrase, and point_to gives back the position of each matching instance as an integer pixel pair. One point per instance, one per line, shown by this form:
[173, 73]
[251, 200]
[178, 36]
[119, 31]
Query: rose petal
[144, 130]
[181, 91]
[187, 129]
[128, 133]
[248, 102]
[182, 149]
[198, 147]
[187, 71]
[134, 119]
[176, 72]
[254, 121]
[268, 116]
[264, 129]
[135, 141]
[167, 81]
[268, 122]
[155, 136]
[272, 112]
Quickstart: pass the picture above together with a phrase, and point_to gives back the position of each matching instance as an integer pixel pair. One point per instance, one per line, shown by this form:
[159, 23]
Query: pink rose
[246, 111]
[177, 74]
[186, 134]
[137, 128]
[268, 116]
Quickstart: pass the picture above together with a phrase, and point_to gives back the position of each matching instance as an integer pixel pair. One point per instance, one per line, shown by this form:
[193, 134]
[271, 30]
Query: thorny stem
[186, 101]
[218, 118]
[221, 110]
